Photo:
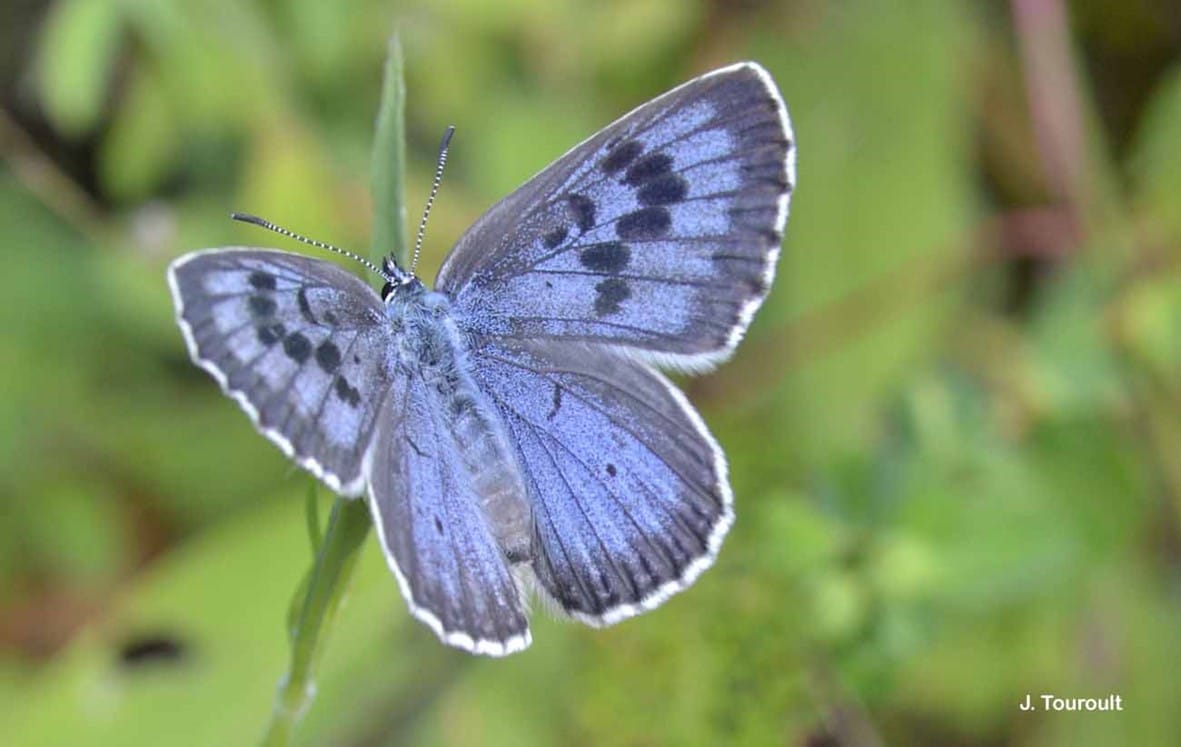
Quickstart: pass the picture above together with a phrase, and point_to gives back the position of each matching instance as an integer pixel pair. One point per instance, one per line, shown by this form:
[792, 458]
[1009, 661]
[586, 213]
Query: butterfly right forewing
[301, 345]
[659, 234]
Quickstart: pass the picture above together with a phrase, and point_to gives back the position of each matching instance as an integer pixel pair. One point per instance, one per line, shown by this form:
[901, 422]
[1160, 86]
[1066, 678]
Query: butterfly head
[395, 278]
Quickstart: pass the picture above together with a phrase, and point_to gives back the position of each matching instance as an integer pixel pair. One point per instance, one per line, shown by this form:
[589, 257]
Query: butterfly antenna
[430, 200]
[248, 218]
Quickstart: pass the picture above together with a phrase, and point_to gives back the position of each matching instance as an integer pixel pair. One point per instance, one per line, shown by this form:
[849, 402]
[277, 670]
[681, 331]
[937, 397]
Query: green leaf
[141, 147]
[1156, 157]
[220, 596]
[883, 204]
[77, 53]
[389, 162]
[321, 593]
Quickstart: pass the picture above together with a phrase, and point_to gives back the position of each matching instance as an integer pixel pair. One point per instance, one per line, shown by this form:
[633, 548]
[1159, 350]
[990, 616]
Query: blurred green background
[954, 429]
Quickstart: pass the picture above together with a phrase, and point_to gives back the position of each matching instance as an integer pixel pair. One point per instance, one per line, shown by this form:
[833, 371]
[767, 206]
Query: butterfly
[510, 429]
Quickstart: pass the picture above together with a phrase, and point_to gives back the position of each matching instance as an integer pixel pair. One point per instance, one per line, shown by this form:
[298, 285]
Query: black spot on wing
[583, 208]
[557, 403]
[610, 256]
[647, 168]
[346, 392]
[611, 469]
[269, 334]
[554, 238]
[663, 190]
[328, 356]
[645, 223]
[262, 306]
[622, 155]
[297, 347]
[609, 295]
[262, 280]
[438, 525]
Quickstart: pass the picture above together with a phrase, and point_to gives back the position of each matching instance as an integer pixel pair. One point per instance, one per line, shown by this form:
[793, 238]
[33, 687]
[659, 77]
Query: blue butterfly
[509, 429]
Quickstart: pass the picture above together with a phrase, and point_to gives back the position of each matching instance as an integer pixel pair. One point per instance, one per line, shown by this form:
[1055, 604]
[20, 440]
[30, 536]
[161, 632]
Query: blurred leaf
[221, 599]
[78, 49]
[1150, 323]
[630, 37]
[76, 532]
[1156, 157]
[141, 147]
[321, 31]
[390, 234]
[289, 180]
[217, 598]
[216, 60]
[866, 275]
[980, 503]
[1073, 367]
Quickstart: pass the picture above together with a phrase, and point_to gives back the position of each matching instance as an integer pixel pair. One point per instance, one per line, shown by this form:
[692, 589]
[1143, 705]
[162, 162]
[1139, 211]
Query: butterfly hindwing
[659, 234]
[629, 490]
[298, 342]
[438, 542]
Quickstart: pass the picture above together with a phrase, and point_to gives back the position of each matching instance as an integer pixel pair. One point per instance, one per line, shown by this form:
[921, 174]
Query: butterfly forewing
[300, 343]
[659, 234]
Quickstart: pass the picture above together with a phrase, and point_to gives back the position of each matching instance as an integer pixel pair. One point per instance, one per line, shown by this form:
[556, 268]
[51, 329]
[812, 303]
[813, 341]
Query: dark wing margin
[658, 235]
[452, 573]
[298, 343]
[630, 494]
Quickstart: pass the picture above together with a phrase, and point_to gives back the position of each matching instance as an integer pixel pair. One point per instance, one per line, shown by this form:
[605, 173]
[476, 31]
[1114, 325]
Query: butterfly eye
[387, 290]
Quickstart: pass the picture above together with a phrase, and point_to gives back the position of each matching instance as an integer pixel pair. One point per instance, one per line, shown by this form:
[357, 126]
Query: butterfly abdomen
[432, 347]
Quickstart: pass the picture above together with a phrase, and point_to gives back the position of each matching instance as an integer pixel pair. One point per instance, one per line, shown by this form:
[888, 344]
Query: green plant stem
[347, 528]
[336, 554]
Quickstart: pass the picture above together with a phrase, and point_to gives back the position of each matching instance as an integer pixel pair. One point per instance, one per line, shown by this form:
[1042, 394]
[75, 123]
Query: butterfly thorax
[431, 352]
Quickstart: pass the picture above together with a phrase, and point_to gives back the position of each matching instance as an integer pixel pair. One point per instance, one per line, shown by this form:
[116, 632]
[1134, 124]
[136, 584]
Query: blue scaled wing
[437, 541]
[629, 490]
[659, 234]
[299, 343]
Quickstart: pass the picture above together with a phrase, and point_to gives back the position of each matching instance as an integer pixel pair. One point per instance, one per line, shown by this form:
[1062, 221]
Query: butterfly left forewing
[659, 234]
[299, 343]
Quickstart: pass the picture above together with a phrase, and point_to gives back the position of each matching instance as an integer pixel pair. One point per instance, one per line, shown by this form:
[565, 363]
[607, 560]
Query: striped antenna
[434, 191]
[248, 218]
